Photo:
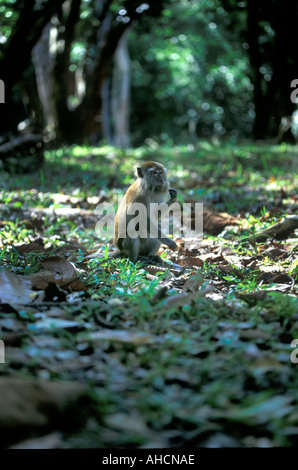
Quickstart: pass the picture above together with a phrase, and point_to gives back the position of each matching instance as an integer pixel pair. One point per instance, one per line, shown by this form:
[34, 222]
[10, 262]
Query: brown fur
[150, 186]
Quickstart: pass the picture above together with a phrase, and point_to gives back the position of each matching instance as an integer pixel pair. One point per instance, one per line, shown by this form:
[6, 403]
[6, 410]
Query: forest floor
[197, 354]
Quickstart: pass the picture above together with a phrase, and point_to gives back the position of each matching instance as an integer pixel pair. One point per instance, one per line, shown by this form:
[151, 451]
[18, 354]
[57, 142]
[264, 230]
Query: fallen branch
[280, 231]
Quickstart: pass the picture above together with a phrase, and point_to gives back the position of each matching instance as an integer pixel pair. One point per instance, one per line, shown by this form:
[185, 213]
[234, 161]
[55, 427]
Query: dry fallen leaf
[35, 245]
[58, 270]
[15, 289]
[214, 222]
[265, 364]
[70, 247]
[253, 296]
[50, 441]
[193, 283]
[29, 405]
[134, 423]
[123, 336]
[191, 261]
[179, 300]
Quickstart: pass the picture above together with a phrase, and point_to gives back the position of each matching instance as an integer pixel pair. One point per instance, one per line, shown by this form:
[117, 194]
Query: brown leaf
[253, 296]
[42, 279]
[231, 270]
[154, 269]
[254, 334]
[249, 262]
[277, 278]
[193, 283]
[179, 300]
[70, 247]
[50, 441]
[15, 289]
[191, 261]
[265, 364]
[35, 245]
[59, 271]
[30, 405]
[282, 278]
[274, 252]
[133, 423]
[214, 222]
[160, 294]
[123, 336]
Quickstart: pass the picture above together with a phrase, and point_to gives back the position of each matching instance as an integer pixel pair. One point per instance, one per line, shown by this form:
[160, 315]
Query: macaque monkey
[151, 186]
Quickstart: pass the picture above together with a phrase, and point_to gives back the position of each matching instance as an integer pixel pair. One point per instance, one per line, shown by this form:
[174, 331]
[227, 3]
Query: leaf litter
[197, 356]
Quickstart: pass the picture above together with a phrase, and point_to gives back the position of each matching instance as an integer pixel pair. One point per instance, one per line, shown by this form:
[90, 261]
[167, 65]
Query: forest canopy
[126, 71]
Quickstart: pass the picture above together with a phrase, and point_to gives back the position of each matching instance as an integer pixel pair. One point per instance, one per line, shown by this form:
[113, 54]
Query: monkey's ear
[140, 172]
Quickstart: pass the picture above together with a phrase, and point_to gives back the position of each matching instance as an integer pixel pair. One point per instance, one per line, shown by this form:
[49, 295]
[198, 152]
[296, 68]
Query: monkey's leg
[148, 249]
[132, 247]
[149, 246]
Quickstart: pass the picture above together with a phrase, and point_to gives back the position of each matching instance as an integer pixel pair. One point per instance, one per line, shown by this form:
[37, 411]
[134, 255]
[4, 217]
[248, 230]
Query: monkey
[151, 186]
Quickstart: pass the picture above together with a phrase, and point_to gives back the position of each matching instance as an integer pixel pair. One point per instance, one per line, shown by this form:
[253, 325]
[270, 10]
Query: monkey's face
[155, 175]
[158, 179]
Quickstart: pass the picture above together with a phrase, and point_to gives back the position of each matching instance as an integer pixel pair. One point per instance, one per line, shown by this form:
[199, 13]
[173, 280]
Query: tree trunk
[90, 110]
[253, 33]
[68, 121]
[121, 94]
[17, 55]
[106, 112]
[27, 31]
[43, 65]
[272, 98]
[285, 66]
[86, 120]
[29, 92]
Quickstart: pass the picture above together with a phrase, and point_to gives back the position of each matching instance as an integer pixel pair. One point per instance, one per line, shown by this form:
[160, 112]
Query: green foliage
[189, 61]
[194, 69]
[197, 71]
[8, 19]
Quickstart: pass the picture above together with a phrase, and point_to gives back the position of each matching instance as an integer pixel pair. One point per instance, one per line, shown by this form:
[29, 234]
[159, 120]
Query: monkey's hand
[173, 194]
[170, 243]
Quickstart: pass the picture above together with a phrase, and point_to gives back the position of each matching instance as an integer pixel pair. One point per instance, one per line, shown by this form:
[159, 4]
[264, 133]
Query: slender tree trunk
[90, 110]
[253, 33]
[68, 121]
[106, 112]
[43, 65]
[121, 94]
[30, 97]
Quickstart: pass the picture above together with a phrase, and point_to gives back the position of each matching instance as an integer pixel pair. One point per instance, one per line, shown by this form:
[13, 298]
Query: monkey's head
[153, 176]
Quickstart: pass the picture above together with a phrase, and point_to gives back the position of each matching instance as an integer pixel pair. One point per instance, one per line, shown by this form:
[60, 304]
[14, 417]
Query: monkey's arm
[170, 243]
[161, 236]
[156, 229]
[173, 196]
